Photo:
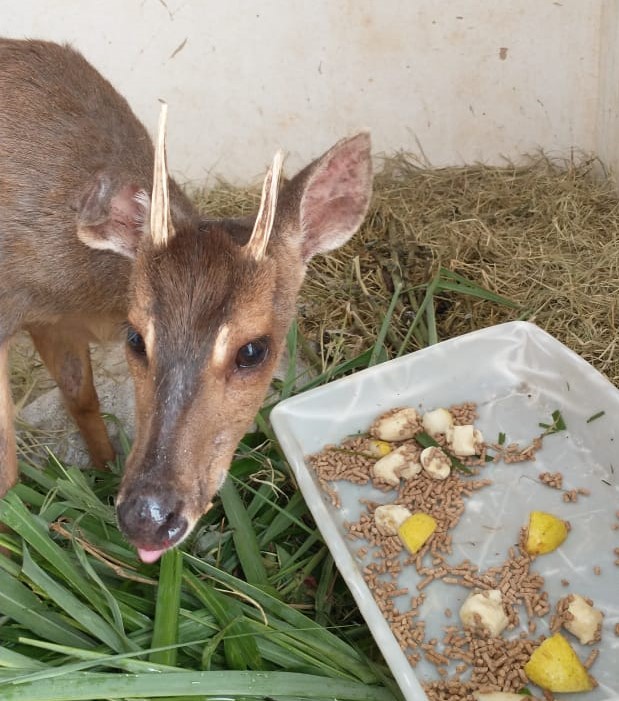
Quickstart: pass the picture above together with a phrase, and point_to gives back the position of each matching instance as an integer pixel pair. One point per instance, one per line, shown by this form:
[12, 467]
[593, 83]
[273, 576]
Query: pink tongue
[150, 556]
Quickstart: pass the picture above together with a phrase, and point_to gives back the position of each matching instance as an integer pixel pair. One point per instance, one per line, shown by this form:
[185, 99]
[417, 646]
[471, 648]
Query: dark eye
[252, 353]
[135, 341]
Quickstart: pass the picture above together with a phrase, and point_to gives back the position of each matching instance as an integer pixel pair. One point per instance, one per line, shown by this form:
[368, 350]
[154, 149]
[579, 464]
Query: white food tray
[518, 375]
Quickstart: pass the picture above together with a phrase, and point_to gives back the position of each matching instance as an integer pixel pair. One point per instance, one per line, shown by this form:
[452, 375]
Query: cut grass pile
[83, 619]
[253, 608]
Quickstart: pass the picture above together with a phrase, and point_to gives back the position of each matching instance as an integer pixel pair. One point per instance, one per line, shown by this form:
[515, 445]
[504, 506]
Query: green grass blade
[379, 351]
[14, 513]
[96, 626]
[431, 324]
[14, 660]
[41, 477]
[324, 600]
[113, 605]
[290, 654]
[240, 646]
[6, 563]
[90, 658]
[77, 491]
[29, 495]
[290, 378]
[426, 303]
[332, 647]
[244, 536]
[165, 630]
[359, 362]
[284, 519]
[253, 685]
[453, 282]
[219, 684]
[18, 602]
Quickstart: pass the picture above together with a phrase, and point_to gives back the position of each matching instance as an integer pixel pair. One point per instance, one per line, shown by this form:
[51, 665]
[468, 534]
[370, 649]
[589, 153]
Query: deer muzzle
[153, 520]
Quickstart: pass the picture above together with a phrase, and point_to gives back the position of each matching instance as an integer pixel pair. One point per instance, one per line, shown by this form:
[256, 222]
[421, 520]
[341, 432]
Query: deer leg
[8, 452]
[67, 358]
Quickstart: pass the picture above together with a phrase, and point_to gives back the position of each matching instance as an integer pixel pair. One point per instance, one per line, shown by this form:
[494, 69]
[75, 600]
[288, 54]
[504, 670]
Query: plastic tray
[518, 375]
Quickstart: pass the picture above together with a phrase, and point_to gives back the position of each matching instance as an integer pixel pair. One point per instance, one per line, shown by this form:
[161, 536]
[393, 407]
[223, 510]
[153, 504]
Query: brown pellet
[593, 655]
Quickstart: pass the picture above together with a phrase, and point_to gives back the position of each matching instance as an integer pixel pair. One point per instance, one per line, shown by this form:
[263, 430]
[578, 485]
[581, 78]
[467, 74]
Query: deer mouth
[153, 523]
[150, 556]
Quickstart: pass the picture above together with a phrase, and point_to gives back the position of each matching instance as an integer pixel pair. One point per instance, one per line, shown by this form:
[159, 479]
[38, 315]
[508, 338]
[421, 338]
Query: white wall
[467, 79]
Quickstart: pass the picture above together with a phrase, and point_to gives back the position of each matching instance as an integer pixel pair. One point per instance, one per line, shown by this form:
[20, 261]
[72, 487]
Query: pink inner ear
[116, 225]
[337, 196]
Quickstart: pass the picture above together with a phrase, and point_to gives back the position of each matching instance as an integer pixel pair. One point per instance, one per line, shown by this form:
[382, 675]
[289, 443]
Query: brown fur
[76, 262]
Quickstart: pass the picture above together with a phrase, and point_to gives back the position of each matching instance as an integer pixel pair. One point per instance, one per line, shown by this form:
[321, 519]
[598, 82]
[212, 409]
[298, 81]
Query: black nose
[152, 521]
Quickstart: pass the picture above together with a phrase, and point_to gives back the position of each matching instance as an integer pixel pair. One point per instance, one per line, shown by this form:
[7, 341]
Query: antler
[259, 240]
[161, 227]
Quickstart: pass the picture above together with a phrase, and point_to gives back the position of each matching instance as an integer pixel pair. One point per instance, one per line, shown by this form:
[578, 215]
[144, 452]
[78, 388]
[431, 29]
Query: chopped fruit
[437, 421]
[554, 666]
[585, 621]
[389, 517]
[401, 462]
[484, 611]
[379, 449]
[416, 530]
[545, 533]
[396, 425]
[436, 463]
[465, 440]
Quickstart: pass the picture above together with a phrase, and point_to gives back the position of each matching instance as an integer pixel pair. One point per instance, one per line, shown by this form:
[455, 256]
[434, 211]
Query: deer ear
[112, 218]
[336, 195]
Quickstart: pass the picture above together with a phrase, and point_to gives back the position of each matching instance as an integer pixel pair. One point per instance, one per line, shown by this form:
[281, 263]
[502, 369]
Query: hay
[543, 234]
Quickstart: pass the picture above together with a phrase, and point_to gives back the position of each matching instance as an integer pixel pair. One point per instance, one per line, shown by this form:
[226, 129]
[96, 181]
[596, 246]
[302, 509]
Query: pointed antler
[259, 240]
[161, 227]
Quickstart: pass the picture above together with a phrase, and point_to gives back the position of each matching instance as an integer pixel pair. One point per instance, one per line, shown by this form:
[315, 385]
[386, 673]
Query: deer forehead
[208, 327]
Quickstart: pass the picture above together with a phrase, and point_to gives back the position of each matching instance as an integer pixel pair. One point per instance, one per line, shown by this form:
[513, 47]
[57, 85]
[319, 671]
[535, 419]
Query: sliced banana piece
[389, 517]
[435, 462]
[484, 611]
[396, 425]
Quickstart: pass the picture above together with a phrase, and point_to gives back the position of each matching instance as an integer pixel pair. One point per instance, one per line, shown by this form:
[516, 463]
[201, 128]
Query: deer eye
[135, 341]
[252, 354]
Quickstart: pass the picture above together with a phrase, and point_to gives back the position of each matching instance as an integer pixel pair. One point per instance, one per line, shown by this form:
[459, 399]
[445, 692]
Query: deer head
[209, 307]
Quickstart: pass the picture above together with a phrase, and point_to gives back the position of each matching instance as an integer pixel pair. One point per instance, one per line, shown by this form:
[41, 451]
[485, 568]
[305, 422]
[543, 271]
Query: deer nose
[152, 522]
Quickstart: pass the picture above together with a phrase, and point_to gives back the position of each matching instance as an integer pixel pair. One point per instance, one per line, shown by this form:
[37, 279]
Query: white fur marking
[220, 347]
[149, 339]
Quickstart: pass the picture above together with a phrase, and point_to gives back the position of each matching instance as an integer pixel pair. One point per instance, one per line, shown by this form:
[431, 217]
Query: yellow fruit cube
[379, 449]
[555, 666]
[415, 531]
[545, 533]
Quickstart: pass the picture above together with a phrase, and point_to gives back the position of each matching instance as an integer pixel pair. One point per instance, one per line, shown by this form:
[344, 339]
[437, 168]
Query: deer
[98, 241]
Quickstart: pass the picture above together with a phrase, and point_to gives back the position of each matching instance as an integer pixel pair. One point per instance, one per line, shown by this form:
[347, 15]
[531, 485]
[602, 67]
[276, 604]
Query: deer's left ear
[335, 195]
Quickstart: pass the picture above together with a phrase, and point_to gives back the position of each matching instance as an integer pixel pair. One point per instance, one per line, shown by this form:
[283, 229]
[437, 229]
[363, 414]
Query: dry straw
[543, 234]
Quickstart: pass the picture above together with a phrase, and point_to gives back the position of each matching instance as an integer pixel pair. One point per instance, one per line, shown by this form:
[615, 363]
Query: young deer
[205, 304]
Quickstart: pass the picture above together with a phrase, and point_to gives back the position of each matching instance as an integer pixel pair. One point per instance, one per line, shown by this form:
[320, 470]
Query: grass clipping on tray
[543, 235]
